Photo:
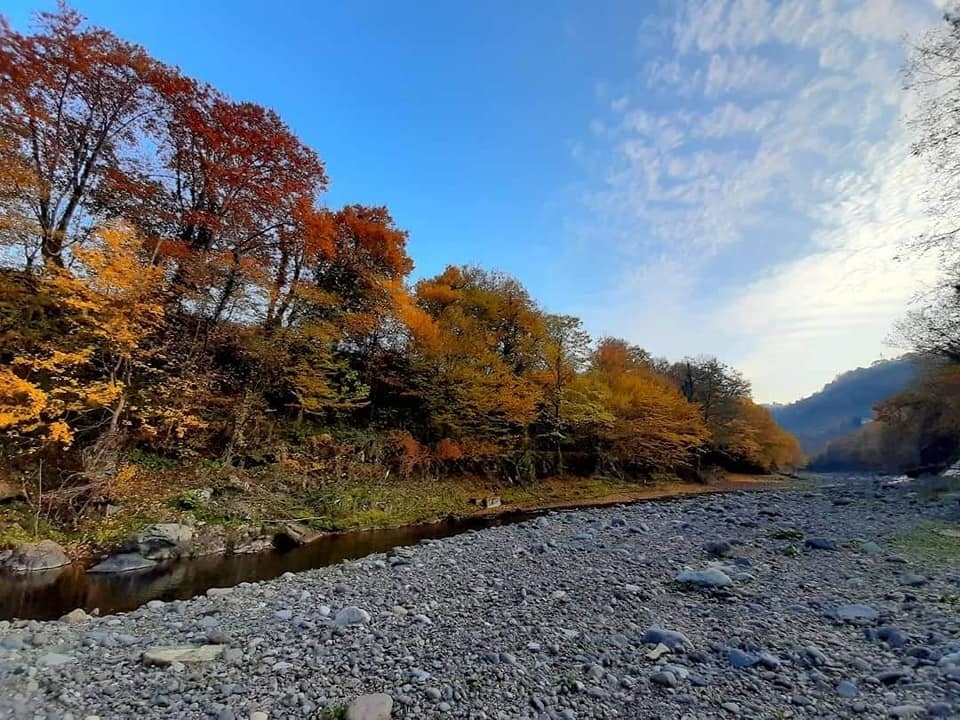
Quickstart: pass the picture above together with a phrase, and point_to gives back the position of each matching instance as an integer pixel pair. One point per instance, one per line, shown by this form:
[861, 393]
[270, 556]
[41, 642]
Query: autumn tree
[476, 370]
[77, 103]
[654, 426]
[77, 380]
[565, 353]
[238, 208]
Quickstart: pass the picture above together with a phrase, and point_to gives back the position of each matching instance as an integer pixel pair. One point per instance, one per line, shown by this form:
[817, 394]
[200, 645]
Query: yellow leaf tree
[105, 311]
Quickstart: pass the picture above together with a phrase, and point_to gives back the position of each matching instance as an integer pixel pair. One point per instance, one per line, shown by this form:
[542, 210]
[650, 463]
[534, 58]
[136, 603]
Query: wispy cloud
[760, 182]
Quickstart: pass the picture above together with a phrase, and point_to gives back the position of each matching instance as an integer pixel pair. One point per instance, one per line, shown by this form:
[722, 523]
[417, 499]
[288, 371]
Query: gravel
[575, 615]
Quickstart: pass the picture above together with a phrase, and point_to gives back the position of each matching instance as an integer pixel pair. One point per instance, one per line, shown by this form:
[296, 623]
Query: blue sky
[726, 177]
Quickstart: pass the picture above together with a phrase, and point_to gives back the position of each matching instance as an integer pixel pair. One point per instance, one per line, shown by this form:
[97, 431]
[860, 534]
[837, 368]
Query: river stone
[75, 616]
[847, 689]
[720, 548]
[856, 613]
[912, 580]
[33, 557]
[740, 659]
[125, 562]
[55, 659]
[294, 533]
[371, 707]
[671, 638]
[821, 543]
[906, 711]
[351, 615]
[664, 678]
[185, 654]
[892, 636]
[163, 541]
[711, 577]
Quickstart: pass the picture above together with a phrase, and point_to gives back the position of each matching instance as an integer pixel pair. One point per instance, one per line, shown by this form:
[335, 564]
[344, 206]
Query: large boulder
[123, 563]
[163, 541]
[292, 534]
[33, 557]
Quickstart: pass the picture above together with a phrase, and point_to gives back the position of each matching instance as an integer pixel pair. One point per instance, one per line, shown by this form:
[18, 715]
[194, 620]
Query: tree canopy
[173, 283]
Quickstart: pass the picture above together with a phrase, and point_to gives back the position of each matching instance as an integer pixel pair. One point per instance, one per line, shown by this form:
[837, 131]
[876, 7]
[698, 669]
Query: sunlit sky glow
[727, 177]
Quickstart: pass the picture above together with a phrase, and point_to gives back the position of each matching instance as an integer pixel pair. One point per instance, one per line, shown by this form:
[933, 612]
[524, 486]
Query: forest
[174, 293]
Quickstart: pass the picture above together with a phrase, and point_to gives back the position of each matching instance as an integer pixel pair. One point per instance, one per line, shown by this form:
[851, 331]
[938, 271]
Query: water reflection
[51, 594]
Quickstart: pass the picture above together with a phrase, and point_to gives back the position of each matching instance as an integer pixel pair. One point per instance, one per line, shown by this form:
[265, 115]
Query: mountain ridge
[843, 404]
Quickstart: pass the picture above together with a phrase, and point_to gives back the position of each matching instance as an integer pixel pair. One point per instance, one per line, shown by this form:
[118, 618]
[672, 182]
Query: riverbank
[818, 601]
[247, 507]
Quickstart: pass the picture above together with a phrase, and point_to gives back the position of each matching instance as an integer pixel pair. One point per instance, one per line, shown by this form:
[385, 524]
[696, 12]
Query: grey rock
[162, 541]
[719, 548]
[664, 678]
[892, 636]
[821, 543]
[294, 533]
[769, 661]
[371, 707]
[847, 689]
[351, 615]
[418, 676]
[123, 563]
[912, 580]
[33, 557]
[892, 677]
[711, 578]
[671, 638]
[740, 659]
[53, 659]
[856, 613]
[906, 711]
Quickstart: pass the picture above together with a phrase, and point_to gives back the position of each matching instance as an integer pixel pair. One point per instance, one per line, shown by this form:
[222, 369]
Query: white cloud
[764, 202]
[743, 72]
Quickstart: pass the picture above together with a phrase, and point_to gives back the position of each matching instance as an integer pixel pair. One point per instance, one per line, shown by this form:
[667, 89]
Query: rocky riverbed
[772, 604]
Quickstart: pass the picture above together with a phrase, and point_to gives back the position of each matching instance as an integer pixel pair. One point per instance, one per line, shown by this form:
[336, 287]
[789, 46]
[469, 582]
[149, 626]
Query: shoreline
[796, 600]
[554, 494]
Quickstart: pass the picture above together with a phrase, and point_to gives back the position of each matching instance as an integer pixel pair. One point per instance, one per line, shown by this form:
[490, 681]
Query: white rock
[187, 654]
[75, 616]
[371, 707]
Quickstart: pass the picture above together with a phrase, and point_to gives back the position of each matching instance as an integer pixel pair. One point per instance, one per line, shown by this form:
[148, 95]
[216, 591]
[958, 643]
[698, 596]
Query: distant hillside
[844, 404]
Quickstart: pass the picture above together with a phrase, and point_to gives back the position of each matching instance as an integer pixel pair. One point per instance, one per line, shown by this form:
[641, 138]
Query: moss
[937, 543]
[333, 712]
[18, 521]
